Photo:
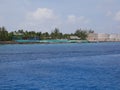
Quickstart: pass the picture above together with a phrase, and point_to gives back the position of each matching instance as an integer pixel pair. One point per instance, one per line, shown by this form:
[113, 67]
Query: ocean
[76, 66]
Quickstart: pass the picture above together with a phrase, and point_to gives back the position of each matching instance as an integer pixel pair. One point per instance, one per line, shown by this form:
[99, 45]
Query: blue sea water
[84, 66]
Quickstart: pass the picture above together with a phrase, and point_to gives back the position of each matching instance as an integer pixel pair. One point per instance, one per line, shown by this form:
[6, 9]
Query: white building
[92, 37]
[74, 38]
[114, 37]
[118, 37]
[103, 37]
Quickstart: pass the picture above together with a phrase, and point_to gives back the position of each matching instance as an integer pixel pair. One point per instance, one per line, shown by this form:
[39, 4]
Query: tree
[21, 31]
[81, 34]
[45, 35]
[66, 36]
[39, 34]
[10, 36]
[56, 34]
[3, 34]
[91, 31]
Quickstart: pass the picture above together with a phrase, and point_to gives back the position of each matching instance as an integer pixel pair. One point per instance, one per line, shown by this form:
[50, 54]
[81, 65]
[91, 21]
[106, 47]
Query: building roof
[74, 37]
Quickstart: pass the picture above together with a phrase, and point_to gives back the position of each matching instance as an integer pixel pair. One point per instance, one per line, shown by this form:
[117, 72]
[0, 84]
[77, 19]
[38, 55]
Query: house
[92, 37]
[114, 37]
[17, 36]
[74, 38]
[103, 37]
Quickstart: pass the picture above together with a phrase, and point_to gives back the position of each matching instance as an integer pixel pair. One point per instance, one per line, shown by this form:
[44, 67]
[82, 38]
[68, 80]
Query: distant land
[31, 37]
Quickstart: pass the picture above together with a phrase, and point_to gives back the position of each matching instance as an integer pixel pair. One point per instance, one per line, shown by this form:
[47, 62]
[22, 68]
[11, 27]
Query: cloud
[117, 16]
[74, 19]
[42, 19]
[45, 19]
[41, 14]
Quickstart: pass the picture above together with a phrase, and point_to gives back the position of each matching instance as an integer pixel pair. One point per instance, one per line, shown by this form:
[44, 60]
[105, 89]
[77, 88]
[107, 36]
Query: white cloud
[117, 16]
[42, 14]
[71, 18]
[44, 19]
[74, 19]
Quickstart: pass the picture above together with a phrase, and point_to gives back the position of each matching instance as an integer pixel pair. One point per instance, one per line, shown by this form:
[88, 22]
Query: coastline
[15, 42]
[42, 42]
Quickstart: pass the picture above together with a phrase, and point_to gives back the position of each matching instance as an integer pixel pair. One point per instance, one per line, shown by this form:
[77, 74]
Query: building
[17, 36]
[118, 37]
[114, 37]
[74, 38]
[103, 37]
[92, 37]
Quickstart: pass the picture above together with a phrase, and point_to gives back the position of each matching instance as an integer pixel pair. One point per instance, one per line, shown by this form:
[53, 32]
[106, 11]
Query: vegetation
[3, 34]
[32, 35]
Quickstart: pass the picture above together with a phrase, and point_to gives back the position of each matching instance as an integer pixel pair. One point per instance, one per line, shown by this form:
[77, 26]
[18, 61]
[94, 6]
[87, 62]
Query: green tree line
[55, 34]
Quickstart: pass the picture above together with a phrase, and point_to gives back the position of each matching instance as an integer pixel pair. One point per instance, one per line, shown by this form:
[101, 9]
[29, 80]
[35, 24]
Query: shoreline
[14, 42]
[42, 41]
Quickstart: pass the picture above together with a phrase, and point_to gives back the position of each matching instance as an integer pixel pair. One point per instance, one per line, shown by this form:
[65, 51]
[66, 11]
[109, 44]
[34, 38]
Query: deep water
[83, 66]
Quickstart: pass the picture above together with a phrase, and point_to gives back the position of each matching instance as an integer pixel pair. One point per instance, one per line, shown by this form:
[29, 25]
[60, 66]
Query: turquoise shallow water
[84, 66]
[52, 41]
[49, 41]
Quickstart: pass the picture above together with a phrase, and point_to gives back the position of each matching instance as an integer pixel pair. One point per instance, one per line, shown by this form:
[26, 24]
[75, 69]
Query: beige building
[114, 37]
[98, 37]
[118, 37]
[92, 37]
[103, 37]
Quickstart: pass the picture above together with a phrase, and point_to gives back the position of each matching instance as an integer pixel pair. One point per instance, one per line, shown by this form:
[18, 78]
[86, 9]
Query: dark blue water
[89, 66]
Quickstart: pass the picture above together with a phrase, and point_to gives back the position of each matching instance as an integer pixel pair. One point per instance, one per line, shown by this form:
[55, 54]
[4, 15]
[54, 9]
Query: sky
[102, 16]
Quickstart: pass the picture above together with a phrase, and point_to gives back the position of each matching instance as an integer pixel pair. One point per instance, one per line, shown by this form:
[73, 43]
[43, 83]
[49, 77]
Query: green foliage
[45, 35]
[55, 34]
[82, 34]
[10, 36]
[3, 34]
[66, 36]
